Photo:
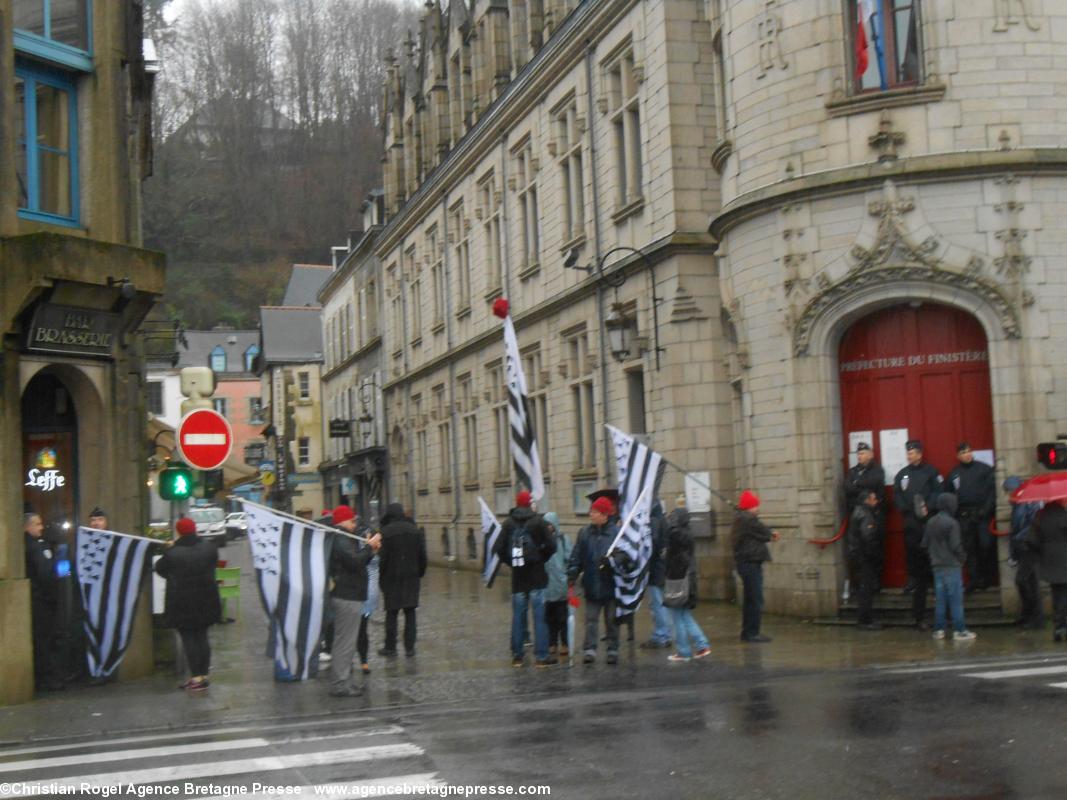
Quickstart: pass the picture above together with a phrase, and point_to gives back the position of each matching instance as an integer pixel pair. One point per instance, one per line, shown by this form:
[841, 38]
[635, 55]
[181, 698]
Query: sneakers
[702, 653]
[545, 663]
[387, 652]
[675, 658]
[589, 658]
[517, 661]
[939, 634]
[325, 658]
[197, 685]
[965, 636]
[613, 658]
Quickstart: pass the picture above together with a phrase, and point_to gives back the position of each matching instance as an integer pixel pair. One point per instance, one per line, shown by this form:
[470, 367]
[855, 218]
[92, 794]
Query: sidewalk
[463, 652]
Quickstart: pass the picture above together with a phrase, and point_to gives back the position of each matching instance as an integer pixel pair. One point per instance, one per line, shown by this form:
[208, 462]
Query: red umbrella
[1044, 488]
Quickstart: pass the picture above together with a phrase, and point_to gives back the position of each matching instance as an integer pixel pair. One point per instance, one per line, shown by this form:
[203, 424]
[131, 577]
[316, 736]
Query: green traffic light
[175, 483]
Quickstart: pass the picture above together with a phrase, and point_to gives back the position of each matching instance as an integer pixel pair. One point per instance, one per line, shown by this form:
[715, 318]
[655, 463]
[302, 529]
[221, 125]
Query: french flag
[870, 73]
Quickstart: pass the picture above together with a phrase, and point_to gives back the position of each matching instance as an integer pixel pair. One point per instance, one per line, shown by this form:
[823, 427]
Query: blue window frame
[250, 356]
[218, 359]
[59, 31]
[47, 160]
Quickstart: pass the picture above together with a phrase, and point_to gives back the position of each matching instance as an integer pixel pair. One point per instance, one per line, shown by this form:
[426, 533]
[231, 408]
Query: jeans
[751, 573]
[687, 633]
[197, 650]
[391, 625]
[948, 590]
[519, 603]
[370, 605]
[593, 610]
[661, 631]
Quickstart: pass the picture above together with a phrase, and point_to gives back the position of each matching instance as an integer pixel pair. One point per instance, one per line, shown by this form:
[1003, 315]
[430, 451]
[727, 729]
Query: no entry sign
[204, 438]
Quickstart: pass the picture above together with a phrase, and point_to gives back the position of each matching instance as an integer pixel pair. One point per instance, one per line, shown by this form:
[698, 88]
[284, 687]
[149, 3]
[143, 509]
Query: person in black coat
[44, 602]
[679, 563]
[915, 489]
[403, 563]
[864, 545]
[975, 487]
[348, 568]
[1048, 537]
[192, 602]
[750, 539]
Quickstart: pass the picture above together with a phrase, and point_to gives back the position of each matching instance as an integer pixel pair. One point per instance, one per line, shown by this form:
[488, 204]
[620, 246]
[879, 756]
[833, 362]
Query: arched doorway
[50, 450]
[914, 371]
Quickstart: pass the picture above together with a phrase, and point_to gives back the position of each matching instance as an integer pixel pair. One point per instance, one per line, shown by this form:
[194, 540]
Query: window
[411, 269]
[497, 397]
[304, 382]
[459, 234]
[155, 398]
[422, 479]
[635, 385]
[55, 30]
[526, 195]
[350, 328]
[46, 162]
[470, 428]
[625, 114]
[580, 372]
[255, 410]
[444, 436]
[437, 275]
[885, 43]
[219, 404]
[372, 310]
[569, 157]
[250, 357]
[303, 451]
[396, 314]
[217, 360]
[537, 395]
[490, 214]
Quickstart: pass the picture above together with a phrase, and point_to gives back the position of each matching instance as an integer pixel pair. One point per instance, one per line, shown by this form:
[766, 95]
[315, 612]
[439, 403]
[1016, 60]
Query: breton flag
[640, 470]
[523, 438]
[291, 558]
[110, 567]
[871, 73]
[490, 534]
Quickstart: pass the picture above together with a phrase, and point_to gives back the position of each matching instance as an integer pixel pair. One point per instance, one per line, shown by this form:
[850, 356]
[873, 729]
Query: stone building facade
[75, 285]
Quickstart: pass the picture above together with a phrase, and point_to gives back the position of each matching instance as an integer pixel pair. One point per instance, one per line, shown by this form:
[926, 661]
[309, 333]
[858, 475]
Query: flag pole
[629, 519]
[127, 535]
[309, 522]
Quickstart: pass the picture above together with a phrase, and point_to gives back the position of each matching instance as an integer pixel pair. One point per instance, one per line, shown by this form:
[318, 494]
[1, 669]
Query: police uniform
[44, 601]
[863, 479]
[864, 545]
[915, 489]
[975, 488]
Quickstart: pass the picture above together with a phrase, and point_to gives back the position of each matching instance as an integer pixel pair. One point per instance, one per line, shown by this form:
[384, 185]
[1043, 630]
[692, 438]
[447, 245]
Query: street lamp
[622, 333]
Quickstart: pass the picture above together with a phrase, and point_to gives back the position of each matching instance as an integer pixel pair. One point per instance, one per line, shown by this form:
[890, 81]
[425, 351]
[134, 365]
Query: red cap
[185, 526]
[523, 499]
[501, 307]
[604, 506]
[343, 514]
[749, 500]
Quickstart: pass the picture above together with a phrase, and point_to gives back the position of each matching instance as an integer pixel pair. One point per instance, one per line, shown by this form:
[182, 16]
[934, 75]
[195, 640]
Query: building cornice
[957, 166]
[352, 262]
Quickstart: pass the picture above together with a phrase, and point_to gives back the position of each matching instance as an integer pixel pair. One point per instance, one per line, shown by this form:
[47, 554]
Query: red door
[915, 373]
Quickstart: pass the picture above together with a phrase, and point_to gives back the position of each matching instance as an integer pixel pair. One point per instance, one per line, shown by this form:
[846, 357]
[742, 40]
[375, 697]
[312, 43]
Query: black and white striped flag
[291, 558]
[523, 438]
[490, 535]
[640, 470]
[110, 569]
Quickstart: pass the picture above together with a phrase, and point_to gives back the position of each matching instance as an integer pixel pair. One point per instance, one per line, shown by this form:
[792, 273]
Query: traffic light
[176, 483]
[1052, 454]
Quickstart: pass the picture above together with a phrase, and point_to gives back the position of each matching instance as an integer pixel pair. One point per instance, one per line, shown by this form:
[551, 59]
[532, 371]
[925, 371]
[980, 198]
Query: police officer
[975, 486]
[866, 476]
[44, 600]
[864, 543]
[915, 488]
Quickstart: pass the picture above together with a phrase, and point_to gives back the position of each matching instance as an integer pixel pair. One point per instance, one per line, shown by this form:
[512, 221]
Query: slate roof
[304, 284]
[291, 335]
[201, 343]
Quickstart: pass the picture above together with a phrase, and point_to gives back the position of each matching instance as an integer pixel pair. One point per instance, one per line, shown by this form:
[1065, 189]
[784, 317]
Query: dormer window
[250, 357]
[218, 359]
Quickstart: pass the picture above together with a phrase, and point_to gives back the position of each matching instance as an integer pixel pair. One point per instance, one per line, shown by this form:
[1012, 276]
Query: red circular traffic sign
[205, 438]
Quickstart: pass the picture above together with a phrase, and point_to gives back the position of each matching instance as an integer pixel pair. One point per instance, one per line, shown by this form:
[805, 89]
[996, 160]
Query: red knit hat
[523, 499]
[185, 526]
[749, 500]
[343, 514]
[603, 505]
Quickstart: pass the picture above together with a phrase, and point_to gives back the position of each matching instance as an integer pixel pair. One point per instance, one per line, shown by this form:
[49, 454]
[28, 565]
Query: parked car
[236, 525]
[210, 522]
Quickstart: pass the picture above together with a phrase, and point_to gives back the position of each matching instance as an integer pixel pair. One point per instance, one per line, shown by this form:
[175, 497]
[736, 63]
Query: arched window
[250, 356]
[218, 359]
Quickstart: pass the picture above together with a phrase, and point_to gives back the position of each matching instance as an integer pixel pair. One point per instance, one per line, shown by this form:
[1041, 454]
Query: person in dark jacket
[750, 538]
[192, 602]
[402, 564]
[914, 490]
[1025, 559]
[589, 560]
[44, 601]
[348, 567]
[657, 577]
[1048, 537]
[975, 486]
[679, 563]
[942, 541]
[864, 545]
[866, 476]
[525, 545]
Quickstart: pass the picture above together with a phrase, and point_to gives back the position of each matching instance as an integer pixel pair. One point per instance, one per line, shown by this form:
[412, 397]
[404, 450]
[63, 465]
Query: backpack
[523, 550]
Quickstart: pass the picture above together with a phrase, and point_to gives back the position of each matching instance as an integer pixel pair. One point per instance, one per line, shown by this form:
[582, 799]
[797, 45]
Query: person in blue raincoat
[556, 592]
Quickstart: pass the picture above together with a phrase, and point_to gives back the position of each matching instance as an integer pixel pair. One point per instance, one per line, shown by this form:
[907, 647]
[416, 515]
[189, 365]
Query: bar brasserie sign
[74, 331]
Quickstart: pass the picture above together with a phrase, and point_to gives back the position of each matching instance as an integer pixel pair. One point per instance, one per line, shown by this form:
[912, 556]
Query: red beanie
[523, 499]
[604, 506]
[749, 500]
[343, 514]
[185, 526]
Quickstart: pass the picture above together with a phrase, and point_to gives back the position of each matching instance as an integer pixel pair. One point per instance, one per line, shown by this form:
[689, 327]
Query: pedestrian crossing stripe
[352, 789]
[1017, 673]
[970, 665]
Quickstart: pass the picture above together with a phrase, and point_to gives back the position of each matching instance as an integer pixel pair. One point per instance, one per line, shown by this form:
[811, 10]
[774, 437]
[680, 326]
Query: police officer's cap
[914, 444]
[963, 447]
[862, 446]
[97, 512]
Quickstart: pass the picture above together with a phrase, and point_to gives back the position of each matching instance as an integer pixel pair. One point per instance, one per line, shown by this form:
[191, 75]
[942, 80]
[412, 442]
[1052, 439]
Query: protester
[589, 560]
[556, 612]
[192, 602]
[914, 490]
[1025, 559]
[750, 538]
[942, 541]
[525, 545]
[1048, 537]
[369, 607]
[661, 620]
[44, 599]
[864, 544]
[403, 563]
[975, 486]
[348, 567]
[679, 563]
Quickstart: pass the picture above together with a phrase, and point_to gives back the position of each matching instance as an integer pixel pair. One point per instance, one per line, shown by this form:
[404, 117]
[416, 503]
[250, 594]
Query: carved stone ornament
[685, 307]
[887, 140]
[893, 243]
[1012, 12]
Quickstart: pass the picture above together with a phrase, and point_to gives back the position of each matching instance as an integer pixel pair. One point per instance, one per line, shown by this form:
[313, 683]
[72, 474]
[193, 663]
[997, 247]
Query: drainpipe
[505, 236]
[409, 455]
[449, 343]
